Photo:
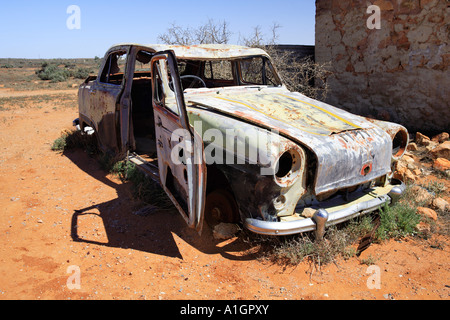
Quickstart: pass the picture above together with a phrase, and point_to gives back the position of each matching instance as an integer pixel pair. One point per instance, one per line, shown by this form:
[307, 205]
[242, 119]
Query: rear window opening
[114, 68]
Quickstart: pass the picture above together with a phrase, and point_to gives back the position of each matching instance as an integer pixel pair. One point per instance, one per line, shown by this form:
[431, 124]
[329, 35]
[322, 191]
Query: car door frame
[110, 106]
[189, 140]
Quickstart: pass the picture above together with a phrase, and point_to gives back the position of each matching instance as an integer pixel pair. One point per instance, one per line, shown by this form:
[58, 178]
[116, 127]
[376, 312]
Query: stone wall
[398, 72]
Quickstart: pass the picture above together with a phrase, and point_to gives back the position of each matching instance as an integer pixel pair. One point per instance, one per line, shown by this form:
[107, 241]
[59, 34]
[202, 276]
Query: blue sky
[37, 29]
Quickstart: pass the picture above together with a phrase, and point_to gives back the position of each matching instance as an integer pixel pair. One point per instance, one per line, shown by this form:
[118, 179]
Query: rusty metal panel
[345, 145]
[201, 51]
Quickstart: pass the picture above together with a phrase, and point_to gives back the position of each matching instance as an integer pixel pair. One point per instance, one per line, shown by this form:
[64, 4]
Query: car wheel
[220, 206]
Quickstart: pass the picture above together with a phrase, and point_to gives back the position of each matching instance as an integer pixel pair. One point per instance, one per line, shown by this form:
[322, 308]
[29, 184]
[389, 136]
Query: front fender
[398, 134]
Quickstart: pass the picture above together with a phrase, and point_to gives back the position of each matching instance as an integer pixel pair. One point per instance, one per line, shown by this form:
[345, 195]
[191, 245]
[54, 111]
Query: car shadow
[153, 232]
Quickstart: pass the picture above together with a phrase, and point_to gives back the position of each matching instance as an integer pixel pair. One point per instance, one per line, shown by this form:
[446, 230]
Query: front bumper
[329, 213]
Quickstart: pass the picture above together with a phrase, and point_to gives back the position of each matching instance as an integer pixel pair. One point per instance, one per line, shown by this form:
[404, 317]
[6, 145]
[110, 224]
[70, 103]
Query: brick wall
[398, 72]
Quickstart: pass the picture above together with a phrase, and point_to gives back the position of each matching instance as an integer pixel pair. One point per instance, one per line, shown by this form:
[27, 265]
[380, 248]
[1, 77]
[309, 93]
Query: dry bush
[210, 32]
[300, 74]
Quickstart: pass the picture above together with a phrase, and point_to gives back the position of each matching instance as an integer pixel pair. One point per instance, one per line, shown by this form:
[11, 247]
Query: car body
[228, 142]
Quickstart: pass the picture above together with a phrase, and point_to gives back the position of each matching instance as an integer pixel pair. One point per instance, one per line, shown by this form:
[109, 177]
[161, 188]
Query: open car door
[181, 164]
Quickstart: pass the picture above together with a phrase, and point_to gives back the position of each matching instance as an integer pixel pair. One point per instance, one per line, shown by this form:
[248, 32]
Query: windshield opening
[255, 70]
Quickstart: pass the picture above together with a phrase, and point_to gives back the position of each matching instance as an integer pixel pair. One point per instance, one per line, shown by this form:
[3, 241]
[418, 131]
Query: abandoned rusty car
[227, 141]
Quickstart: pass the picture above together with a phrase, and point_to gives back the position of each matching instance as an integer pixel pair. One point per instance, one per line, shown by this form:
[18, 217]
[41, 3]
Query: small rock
[441, 164]
[412, 147]
[423, 227]
[407, 159]
[444, 136]
[422, 139]
[441, 151]
[409, 177]
[223, 231]
[447, 173]
[399, 170]
[440, 204]
[388, 296]
[399, 166]
[422, 196]
[427, 212]
[308, 212]
[431, 146]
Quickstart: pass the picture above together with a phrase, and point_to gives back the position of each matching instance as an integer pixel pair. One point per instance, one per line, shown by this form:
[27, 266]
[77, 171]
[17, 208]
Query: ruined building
[388, 59]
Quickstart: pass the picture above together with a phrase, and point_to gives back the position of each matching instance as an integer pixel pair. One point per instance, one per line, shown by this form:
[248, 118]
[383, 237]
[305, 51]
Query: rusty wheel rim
[220, 207]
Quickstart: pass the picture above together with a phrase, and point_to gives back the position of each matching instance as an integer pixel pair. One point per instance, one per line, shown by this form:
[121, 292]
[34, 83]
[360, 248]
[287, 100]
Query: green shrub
[292, 250]
[81, 73]
[74, 139]
[59, 144]
[53, 73]
[397, 221]
[143, 188]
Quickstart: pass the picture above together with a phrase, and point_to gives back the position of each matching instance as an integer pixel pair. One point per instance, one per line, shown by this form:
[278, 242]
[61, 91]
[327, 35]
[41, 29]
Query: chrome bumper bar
[322, 218]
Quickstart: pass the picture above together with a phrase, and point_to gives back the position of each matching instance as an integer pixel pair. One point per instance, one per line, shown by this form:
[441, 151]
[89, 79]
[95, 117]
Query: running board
[148, 168]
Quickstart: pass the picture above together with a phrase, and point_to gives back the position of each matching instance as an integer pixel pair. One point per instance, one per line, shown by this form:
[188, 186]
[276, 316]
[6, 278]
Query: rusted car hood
[345, 144]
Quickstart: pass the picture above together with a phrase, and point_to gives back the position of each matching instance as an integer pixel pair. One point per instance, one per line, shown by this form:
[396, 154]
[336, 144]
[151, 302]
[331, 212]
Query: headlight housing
[290, 175]
[399, 143]
[288, 167]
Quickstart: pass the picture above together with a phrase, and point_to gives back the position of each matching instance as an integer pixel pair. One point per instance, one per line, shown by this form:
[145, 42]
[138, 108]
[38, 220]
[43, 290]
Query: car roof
[202, 51]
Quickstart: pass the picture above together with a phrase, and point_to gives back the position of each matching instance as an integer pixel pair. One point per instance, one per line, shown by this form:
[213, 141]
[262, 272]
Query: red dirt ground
[61, 210]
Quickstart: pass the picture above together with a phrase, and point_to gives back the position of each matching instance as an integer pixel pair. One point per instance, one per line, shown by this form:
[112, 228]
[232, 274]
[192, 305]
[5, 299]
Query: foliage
[143, 188]
[302, 75]
[436, 188]
[75, 139]
[337, 241]
[59, 144]
[396, 221]
[55, 73]
[401, 219]
[80, 73]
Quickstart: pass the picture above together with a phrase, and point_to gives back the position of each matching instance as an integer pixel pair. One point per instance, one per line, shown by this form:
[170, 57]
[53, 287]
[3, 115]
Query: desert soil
[63, 216]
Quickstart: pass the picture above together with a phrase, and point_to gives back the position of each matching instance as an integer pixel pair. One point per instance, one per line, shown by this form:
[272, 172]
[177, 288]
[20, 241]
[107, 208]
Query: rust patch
[366, 169]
